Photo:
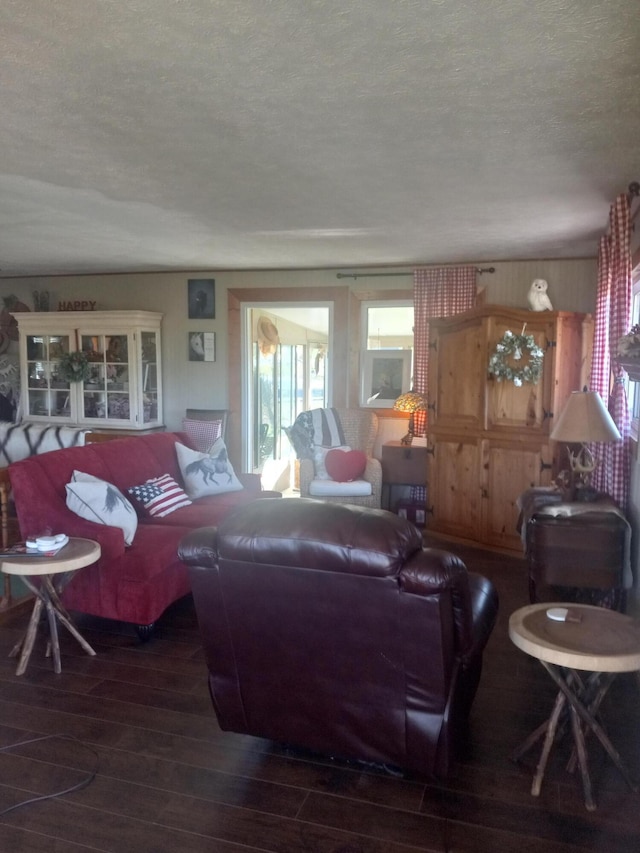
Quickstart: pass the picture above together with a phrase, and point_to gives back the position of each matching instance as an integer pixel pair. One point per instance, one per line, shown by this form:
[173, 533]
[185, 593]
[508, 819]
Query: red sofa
[133, 583]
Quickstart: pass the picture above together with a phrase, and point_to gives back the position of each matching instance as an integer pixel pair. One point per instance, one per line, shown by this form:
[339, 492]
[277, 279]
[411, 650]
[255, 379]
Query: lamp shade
[410, 402]
[584, 419]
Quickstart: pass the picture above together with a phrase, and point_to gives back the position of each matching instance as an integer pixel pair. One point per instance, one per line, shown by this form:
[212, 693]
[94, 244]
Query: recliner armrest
[200, 547]
[473, 597]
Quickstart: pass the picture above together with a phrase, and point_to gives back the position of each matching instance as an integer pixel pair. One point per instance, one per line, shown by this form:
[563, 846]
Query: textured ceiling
[212, 134]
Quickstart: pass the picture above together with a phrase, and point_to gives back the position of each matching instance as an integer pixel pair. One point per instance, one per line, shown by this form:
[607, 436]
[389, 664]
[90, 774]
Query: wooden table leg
[590, 721]
[581, 752]
[46, 596]
[25, 646]
[64, 618]
[53, 637]
[552, 725]
[595, 693]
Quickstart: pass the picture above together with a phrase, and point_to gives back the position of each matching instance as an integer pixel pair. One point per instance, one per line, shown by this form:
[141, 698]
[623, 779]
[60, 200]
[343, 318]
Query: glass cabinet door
[105, 393]
[48, 395]
[150, 388]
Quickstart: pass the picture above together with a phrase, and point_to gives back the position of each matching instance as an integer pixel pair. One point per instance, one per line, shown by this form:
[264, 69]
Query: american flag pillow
[160, 496]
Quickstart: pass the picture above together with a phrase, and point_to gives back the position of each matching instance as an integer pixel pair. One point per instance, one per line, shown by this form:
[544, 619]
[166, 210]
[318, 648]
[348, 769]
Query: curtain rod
[479, 270]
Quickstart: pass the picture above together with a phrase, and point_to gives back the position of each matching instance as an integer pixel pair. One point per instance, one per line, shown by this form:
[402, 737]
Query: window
[387, 325]
[633, 388]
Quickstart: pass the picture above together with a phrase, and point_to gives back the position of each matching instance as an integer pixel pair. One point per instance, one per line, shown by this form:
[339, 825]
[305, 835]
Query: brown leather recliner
[330, 627]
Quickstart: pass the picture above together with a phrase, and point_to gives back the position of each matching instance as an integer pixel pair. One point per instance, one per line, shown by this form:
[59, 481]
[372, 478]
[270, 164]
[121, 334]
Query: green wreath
[517, 358]
[74, 367]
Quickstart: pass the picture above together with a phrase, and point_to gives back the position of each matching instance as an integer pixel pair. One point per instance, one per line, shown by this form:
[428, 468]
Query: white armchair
[360, 427]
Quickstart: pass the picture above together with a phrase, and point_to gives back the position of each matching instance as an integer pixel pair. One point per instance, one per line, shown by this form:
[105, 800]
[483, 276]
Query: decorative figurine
[537, 296]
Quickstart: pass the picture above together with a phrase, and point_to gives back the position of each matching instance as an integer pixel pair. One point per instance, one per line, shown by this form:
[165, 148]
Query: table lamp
[584, 419]
[411, 402]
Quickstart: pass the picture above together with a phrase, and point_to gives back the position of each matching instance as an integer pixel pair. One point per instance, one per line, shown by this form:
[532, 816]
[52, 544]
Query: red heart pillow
[345, 465]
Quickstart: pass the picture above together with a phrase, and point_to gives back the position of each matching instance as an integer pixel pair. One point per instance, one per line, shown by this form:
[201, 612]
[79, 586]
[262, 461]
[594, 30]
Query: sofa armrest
[484, 609]
[435, 571]
[110, 539]
[251, 482]
[307, 473]
[373, 474]
[474, 598]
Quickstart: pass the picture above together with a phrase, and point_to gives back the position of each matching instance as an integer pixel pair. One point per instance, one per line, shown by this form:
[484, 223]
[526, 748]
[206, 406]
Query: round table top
[602, 641]
[76, 554]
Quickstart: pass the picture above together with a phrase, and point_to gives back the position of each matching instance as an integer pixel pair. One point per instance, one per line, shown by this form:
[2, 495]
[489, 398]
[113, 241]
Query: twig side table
[602, 644]
[53, 574]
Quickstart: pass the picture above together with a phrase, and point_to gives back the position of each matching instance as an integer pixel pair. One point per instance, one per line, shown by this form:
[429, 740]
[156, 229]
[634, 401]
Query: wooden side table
[402, 465]
[575, 551]
[602, 643]
[53, 574]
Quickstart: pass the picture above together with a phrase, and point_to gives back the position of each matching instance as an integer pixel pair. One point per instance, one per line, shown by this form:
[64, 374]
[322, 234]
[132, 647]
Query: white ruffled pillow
[207, 473]
[97, 500]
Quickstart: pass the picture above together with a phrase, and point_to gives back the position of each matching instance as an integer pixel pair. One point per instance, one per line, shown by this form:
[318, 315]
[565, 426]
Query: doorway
[286, 359]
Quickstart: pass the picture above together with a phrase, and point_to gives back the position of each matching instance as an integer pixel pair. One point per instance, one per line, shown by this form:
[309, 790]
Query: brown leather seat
[330, 627]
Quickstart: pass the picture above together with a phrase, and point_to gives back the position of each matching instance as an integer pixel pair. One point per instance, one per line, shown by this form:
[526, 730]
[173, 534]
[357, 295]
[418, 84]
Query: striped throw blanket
[18, 441]
[327, 429]
[315, 427]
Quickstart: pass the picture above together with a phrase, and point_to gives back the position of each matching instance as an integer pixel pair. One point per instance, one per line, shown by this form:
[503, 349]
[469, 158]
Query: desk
[53, 574]
[402, 465]
[603, 643]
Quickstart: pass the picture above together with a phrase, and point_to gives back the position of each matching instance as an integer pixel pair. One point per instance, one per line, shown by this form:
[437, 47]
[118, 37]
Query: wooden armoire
[488, 440]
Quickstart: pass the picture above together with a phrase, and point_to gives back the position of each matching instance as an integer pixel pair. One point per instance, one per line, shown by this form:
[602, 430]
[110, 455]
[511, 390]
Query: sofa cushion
[203, 434]
[209, 510]
[334, 489]
[207, 473]
[100, 501]
[159, 496]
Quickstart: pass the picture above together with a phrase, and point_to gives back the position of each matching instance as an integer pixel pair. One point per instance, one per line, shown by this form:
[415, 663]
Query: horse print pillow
[100, 501]
[207, 473]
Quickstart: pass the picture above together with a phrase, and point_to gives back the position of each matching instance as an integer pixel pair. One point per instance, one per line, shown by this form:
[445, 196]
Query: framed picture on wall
[202, 298]
[202, 346]
[386, 374]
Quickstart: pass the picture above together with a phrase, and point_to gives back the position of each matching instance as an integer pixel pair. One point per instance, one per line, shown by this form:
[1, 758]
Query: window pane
[390, 327]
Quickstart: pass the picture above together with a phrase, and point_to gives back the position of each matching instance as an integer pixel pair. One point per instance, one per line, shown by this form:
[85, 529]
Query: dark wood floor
[169, 780]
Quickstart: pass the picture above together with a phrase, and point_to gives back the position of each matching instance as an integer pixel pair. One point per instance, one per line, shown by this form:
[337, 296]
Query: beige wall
[205, 385]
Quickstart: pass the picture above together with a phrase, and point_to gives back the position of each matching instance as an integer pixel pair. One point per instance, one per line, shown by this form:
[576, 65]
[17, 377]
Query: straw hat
[268, 338]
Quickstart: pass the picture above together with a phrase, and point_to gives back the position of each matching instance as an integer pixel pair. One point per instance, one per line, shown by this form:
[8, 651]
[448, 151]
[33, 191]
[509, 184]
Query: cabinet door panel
[526, 407]
[453, 486]
[457, 377]
[509, 469]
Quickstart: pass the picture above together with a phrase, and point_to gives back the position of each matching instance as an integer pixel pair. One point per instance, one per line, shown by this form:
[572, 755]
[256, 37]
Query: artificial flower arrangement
[74, 367]
[629, 344]
[517, 358]
[628, 352]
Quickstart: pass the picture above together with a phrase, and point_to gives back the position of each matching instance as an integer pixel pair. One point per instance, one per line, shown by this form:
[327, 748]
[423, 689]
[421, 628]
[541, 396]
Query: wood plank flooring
[169, 780]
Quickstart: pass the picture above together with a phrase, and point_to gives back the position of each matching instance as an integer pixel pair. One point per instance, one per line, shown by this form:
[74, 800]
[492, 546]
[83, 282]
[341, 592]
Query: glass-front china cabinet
[95, 369]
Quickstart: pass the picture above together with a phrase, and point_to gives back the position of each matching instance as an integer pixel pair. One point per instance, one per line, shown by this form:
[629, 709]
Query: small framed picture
[202, 299]
[202, 346]
[386, 374]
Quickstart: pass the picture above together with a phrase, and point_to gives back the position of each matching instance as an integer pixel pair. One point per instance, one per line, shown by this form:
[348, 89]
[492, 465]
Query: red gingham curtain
[437, 292]
[612, 318]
